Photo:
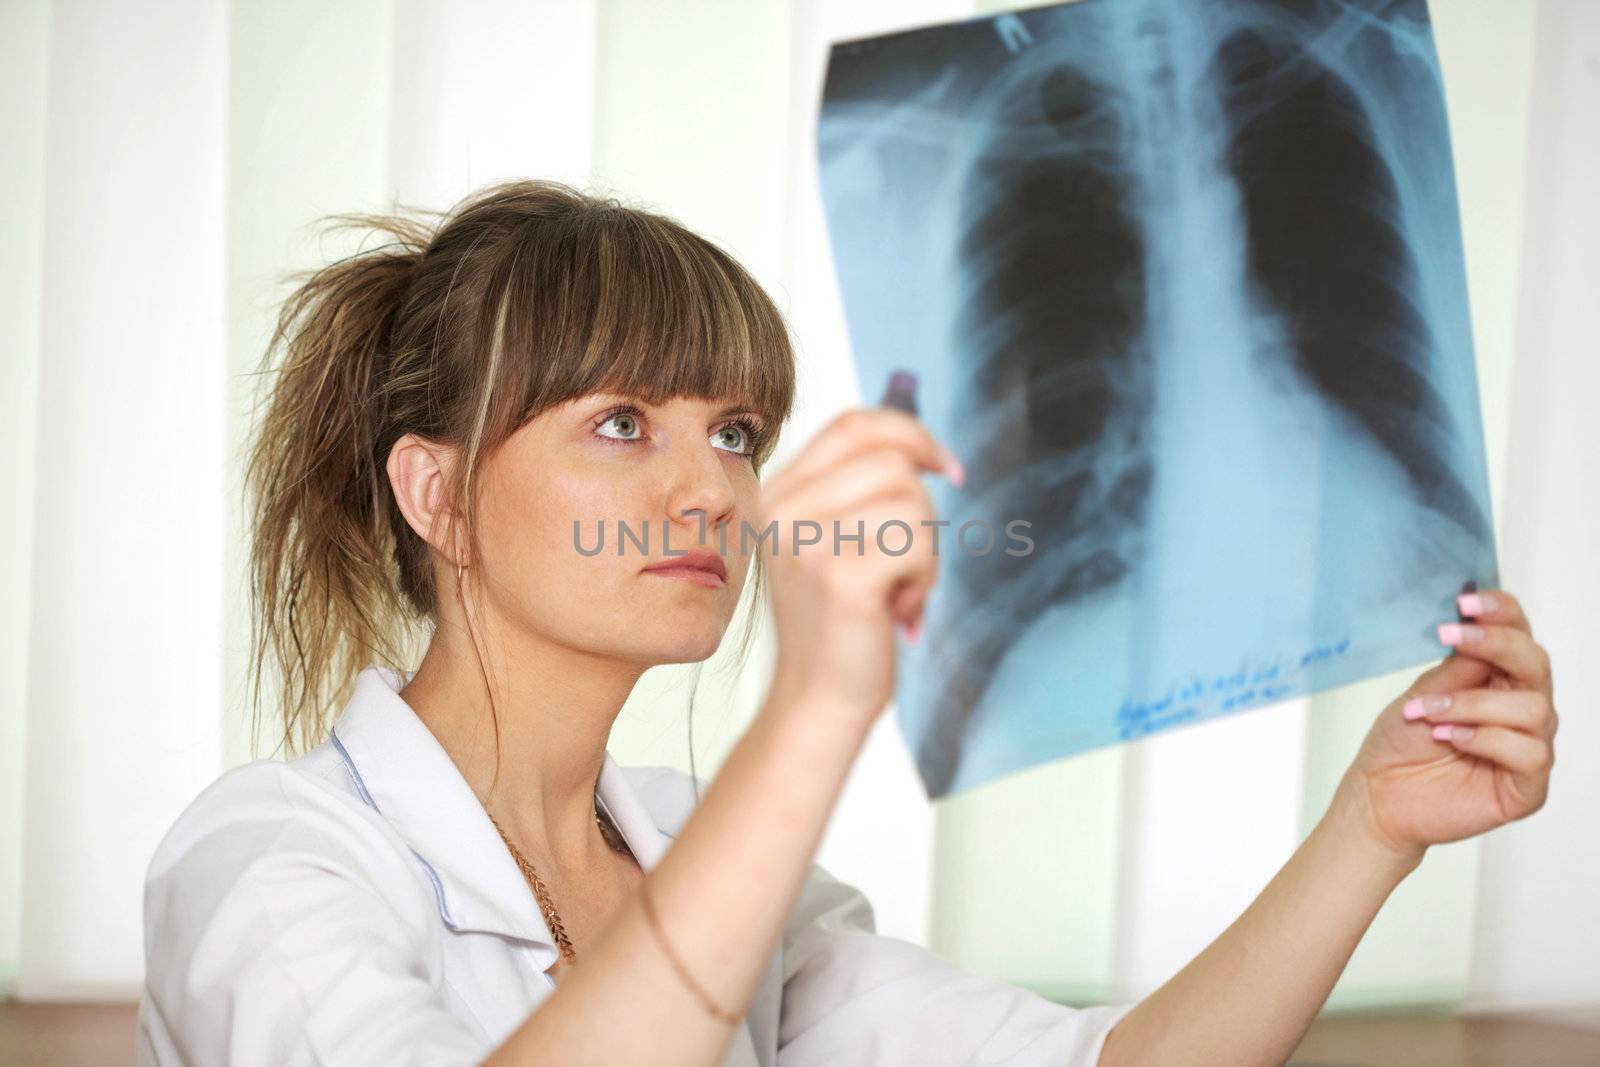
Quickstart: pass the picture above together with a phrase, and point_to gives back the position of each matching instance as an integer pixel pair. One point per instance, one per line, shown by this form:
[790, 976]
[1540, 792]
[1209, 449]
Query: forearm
[722, 894]
[1249, 998]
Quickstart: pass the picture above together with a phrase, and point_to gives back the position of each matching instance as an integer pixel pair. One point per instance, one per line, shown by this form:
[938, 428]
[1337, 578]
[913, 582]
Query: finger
[1450, 674]
[857, 430]
[1528, 758]
[867, 478]
[879, 540]
[911, 592]
[1517, 709]
[907, 602]
[1512, 650]
[1496, 606]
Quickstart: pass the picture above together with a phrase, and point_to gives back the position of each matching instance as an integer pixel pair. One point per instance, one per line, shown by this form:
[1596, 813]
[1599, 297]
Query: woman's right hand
[836, 602]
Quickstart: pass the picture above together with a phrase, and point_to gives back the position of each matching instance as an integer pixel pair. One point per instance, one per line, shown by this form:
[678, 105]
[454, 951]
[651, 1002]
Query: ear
[418, 470]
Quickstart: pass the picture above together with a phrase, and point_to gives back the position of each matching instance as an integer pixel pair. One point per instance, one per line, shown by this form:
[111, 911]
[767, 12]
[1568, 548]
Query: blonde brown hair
[461, 327]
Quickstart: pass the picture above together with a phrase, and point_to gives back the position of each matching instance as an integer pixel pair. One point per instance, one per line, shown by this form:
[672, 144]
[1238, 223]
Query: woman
[464, 422]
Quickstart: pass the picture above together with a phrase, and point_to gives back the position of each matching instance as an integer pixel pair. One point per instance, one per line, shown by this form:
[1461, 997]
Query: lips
[696, 565]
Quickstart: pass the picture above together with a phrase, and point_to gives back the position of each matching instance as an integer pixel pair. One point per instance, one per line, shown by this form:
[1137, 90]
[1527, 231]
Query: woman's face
[679, 470]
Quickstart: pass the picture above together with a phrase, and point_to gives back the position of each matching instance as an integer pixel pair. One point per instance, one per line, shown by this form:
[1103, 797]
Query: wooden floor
[1553, 1039]
[101, 1035]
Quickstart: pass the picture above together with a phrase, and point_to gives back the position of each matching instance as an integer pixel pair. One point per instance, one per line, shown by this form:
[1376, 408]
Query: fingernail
[954, 471]
[1417, 707]
[911, 631]
[1456, 633]
[1476, 604]
[1451, 732]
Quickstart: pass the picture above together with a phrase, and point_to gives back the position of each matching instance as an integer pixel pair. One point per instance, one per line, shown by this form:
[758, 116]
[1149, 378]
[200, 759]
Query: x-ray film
[1182, 281]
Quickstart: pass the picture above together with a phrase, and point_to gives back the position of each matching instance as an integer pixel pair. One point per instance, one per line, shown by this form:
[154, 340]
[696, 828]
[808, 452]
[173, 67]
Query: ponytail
[321, 561]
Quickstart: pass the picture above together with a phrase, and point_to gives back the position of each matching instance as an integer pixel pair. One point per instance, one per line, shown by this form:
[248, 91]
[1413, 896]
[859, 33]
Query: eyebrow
[732, 409]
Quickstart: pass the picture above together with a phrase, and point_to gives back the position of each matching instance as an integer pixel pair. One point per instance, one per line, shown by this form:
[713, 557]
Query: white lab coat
[355, 905]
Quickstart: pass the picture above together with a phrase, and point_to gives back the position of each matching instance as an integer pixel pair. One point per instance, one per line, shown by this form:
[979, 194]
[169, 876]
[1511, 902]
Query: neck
[555, 708]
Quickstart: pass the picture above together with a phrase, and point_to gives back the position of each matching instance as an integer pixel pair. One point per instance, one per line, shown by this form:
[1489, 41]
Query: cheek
[546, 523]
[529, 541]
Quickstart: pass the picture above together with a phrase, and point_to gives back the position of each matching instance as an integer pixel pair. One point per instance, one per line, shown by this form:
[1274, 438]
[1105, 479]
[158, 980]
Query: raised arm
[1248, 999]
[724, 889]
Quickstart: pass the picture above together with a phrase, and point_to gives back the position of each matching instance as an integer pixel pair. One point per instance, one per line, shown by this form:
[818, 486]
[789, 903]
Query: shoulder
[266, 799]
[286, 921]
[272, 827]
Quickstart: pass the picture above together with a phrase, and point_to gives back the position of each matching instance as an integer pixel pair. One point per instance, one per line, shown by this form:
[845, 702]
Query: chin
[685, 647]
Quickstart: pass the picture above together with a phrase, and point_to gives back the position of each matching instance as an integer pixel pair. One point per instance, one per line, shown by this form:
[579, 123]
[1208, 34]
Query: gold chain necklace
[551, 917]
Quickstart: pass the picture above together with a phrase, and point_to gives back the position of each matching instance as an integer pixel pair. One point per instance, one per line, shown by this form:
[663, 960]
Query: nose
[700, 497]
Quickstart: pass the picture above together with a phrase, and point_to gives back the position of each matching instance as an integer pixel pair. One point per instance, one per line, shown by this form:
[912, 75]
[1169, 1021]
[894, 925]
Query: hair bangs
[629, 306]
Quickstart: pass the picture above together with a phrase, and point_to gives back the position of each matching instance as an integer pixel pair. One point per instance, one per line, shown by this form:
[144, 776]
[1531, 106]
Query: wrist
[809, 713]
[797, 682]
[1351, 822]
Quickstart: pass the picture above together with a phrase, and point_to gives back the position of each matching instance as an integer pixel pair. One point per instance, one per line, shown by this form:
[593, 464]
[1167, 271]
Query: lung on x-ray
[1182, 281]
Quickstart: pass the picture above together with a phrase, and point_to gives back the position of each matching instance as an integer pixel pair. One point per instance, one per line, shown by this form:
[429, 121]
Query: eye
[626, 417]
[743, 429]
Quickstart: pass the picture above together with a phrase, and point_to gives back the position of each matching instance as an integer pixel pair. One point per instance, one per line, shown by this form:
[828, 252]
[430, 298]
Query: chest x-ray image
[1182, 281]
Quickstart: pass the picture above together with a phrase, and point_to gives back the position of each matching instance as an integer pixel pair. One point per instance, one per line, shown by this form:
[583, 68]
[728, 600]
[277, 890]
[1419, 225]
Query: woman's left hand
[1416, 782]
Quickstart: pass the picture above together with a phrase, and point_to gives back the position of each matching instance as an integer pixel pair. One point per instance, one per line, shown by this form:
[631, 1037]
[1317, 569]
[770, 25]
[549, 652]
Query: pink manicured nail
[1446, 731]
[911, 631]
[954, 471]
[1457, 633]
[1476, 604]
[1417, 707]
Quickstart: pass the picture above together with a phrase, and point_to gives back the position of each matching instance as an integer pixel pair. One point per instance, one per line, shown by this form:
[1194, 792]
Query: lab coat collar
[402, 771]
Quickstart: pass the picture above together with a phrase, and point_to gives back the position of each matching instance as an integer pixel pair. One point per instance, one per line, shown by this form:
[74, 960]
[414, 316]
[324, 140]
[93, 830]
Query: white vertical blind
[24, 34]
[1537, 941]
[308, 135]
[24, 40]
[124, 665]
[488, 90]
[172, 158]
